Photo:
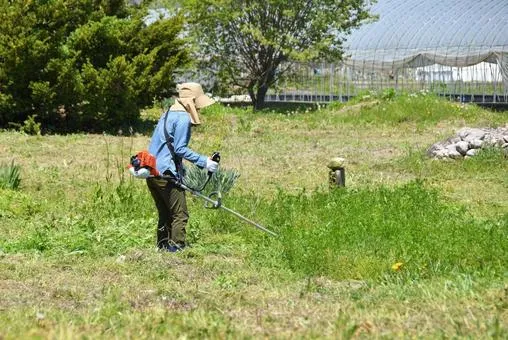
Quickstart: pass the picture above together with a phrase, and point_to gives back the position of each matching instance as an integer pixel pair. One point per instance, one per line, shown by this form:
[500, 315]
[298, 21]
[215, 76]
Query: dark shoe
[173, 248]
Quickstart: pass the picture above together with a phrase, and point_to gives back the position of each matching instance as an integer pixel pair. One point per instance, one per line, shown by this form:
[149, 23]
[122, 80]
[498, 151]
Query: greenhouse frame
[455, 48]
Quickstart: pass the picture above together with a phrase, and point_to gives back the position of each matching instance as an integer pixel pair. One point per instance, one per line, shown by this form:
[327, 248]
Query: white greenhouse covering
[417, 33]
[453, 48]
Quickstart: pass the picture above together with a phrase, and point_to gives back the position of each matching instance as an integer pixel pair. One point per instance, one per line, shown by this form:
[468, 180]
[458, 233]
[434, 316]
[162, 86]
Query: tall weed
[10, 176]
[222, 179]
[109, 220]
[361, 234]
[341, 234]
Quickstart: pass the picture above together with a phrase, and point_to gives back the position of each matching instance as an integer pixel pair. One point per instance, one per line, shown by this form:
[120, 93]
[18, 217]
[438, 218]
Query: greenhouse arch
[456, 48]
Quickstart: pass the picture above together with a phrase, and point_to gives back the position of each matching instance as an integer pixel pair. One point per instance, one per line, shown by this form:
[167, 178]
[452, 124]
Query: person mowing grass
[169, 145]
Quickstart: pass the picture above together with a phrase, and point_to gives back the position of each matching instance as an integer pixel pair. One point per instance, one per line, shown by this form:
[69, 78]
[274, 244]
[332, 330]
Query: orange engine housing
[144, 159]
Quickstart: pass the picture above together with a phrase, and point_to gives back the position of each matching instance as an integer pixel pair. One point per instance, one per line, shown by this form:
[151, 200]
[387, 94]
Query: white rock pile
[468, 141]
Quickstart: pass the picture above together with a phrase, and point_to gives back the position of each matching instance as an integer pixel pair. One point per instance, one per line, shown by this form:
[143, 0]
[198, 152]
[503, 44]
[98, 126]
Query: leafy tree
[245, 42]
[84, 64]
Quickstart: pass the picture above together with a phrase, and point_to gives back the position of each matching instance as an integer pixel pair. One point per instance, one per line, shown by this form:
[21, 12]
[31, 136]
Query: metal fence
[326, 82]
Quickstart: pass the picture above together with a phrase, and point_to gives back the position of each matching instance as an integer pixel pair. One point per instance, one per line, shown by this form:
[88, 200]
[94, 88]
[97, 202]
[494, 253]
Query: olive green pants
[172, 208]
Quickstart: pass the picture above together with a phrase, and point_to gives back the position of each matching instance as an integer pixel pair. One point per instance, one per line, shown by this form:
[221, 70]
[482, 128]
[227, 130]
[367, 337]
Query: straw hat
[192, 97]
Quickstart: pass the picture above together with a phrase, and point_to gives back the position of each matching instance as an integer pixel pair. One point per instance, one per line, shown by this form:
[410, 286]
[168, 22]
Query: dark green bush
[84, 65]
[30, 126]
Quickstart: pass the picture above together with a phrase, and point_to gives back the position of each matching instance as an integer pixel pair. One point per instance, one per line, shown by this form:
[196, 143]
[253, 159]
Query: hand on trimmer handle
[215, 156]
[212, 163]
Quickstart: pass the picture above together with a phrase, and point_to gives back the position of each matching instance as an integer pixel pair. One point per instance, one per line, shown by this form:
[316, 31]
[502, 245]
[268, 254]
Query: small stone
[462, 147]
[336, 163]
[476, 134]
[490, 141]
[434, 149]
[452, 151]
[469, 134]
[442, 153]
[471, 152]
[475, 144]
[463, 133]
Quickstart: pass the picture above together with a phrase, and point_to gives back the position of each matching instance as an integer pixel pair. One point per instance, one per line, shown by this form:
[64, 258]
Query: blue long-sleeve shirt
[178, 126]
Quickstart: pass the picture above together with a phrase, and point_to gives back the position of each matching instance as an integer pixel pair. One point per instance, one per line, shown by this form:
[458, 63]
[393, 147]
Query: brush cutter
[212, 201]
[216, 203]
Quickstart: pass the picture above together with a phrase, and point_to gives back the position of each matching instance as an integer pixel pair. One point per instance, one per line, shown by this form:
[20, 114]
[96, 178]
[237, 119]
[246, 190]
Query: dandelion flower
[397, 266]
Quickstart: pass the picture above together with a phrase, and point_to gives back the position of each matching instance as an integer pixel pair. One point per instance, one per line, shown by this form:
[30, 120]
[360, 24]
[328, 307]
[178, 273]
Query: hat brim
[203, 101]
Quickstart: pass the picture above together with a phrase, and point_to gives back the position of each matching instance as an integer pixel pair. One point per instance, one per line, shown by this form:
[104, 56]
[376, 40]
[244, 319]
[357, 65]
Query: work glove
[211, 166]
[142, 173]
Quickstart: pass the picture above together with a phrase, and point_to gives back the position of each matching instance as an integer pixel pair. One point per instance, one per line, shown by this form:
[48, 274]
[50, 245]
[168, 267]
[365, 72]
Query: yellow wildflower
[397, 266]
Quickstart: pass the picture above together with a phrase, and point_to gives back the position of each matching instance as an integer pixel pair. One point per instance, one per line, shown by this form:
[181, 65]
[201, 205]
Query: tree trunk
[266, 82]
[257, 93]
[259, 102]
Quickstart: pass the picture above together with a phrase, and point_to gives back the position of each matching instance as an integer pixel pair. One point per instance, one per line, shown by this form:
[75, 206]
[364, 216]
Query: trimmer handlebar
[216, 204]
[215, 157]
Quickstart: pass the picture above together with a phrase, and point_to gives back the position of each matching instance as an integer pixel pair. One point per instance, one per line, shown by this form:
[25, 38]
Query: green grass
[477, 182]
[359, 234]
[77, 257]
[342, 235]
[421, 108]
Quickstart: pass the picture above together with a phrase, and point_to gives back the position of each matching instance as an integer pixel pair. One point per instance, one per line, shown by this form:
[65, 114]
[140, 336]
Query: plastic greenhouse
[456, 48]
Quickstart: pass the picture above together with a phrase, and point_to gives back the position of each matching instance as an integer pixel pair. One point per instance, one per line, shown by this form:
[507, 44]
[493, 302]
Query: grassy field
[412, 247]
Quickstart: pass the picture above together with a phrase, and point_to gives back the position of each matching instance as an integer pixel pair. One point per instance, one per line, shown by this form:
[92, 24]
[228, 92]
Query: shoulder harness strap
[169, 143]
